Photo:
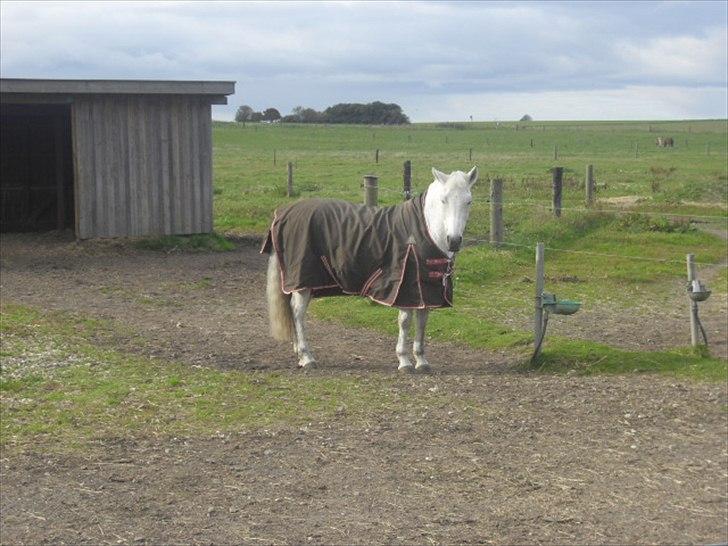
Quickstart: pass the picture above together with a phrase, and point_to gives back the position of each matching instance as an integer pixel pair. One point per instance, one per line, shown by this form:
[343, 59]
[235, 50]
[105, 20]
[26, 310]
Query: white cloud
[695, 59]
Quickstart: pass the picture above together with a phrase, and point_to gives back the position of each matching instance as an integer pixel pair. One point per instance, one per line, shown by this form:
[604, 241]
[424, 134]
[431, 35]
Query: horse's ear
[473, 176]
[442, 177]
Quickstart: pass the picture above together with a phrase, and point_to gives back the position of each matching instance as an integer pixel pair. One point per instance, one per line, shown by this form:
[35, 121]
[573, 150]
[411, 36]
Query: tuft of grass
[639, 223]
[589, 358]
[213, 242]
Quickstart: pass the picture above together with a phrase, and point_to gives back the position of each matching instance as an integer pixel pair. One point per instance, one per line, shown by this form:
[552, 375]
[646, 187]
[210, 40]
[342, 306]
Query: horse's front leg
[418, 348]
[299, 305]
[404, 320]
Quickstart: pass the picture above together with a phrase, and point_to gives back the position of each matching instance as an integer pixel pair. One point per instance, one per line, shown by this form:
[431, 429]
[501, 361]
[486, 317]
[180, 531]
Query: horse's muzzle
[453, 243]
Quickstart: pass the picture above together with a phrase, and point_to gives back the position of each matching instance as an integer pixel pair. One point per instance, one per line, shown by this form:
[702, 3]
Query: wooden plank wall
[143, 165]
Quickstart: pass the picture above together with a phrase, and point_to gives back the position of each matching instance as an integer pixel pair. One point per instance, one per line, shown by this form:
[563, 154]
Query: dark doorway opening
[36, 167]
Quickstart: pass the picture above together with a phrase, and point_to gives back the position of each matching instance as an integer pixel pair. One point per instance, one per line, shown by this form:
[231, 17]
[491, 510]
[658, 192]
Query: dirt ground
[543, 459]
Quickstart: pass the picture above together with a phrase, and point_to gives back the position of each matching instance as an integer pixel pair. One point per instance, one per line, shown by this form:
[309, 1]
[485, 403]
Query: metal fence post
[290, 179]
[538, 310]
[692, 275]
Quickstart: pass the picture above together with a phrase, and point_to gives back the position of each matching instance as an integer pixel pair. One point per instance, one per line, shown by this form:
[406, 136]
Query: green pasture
[633, 259]
[331, 160]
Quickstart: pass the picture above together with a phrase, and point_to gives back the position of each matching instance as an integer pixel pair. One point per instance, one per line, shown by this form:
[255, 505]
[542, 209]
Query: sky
[440, 61]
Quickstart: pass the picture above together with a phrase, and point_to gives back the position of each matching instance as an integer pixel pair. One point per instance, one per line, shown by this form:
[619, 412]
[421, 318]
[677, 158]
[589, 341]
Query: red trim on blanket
[370, 281]
[435, 274]
[436, 261]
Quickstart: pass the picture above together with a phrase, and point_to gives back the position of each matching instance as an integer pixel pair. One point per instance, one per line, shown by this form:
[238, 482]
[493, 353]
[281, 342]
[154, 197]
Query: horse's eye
[469, 203]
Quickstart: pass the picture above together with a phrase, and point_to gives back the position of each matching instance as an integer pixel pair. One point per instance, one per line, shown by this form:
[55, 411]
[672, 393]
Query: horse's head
[449, 200]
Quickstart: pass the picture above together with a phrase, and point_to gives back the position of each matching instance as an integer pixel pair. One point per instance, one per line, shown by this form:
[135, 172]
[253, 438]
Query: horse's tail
[279, 304]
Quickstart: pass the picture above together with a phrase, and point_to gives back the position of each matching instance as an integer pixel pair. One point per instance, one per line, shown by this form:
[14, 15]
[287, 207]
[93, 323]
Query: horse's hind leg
[404, 320]
[299, 305]
[418, 348]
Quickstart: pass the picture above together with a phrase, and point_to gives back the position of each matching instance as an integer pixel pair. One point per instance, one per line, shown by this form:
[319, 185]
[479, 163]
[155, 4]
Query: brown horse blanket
[334, 247]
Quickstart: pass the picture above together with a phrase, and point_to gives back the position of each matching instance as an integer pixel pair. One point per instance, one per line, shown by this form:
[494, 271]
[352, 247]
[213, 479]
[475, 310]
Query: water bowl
[559, 307]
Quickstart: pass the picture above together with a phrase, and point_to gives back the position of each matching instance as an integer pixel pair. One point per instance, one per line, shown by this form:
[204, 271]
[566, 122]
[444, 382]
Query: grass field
[689, 179]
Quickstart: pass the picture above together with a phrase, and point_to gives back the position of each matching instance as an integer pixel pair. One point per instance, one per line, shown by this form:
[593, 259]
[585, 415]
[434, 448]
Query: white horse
[446, 210]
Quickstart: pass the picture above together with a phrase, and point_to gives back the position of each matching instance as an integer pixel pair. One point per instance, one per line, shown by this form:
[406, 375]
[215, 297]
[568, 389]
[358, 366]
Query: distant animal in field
[664, 142]
[400, 256]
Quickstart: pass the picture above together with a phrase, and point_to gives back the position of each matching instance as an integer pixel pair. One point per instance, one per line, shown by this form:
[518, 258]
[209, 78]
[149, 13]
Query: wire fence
[543, 205]
[592, 253]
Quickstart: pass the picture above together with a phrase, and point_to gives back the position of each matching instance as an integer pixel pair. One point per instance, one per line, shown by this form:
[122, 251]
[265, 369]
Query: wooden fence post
[371, 190]
[470, 155]
[496, 211]
[556, 152]
[692, 275]
[589, 185]
[531, 143]
[376, 156]
[538, 309]
[557, 185]
[290, 179]
[636, 150]
[274, 156]
[407, 179]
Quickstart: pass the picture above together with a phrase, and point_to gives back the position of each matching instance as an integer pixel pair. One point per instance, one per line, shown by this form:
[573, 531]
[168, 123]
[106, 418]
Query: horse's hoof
[307, 365]
[423, 368]
[406, 368]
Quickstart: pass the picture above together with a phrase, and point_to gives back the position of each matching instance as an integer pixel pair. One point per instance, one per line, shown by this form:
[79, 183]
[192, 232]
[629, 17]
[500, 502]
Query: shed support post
[60, 190]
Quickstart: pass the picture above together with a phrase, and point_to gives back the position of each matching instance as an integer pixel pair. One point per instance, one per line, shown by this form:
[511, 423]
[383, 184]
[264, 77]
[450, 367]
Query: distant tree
[243, 114]
[271, 114]
[526, 118]
[309, 115]
[376, 112]
[256, 116]
[301, 114]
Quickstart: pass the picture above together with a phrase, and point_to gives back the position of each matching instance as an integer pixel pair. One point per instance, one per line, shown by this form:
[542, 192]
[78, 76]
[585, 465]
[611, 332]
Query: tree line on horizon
[373, 113]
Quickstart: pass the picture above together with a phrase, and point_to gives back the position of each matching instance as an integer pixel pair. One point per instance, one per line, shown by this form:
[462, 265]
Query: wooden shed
[110, 158]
